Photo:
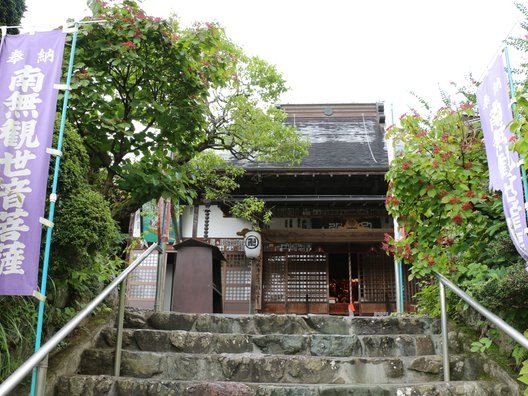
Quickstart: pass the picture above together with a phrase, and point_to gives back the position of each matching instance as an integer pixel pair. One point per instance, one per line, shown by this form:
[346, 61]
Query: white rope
[368, 143]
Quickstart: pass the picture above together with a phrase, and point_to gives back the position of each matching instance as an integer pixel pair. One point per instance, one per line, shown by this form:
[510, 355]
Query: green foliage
[89, 279]
[428, 297]
[11, 12]
[519, 353]
[149, 97]
[83, 222]
[253, 210]
[74, 161]
[438, 192]
[523, 375]
[75, 243]
[205, 168]
[481, 345]
[507, 292]
[18, 318]
[452, 224]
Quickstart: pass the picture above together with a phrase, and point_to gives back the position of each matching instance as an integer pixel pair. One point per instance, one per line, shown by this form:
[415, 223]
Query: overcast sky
[339, 51]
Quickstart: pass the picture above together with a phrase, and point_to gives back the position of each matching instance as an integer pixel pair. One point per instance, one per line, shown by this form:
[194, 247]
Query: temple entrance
[295, 283]
[343, 282]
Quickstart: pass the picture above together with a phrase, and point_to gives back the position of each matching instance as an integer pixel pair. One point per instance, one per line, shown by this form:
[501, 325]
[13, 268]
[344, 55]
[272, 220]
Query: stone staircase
[206, 354]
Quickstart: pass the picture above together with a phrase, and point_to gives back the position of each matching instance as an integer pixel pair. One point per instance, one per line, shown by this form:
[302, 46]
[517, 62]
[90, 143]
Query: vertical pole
[120, 321]
[402, 289]
[53, 195]
[398, 277]
[443, 319]
[42, 373]
[397, 282]
[161, 262]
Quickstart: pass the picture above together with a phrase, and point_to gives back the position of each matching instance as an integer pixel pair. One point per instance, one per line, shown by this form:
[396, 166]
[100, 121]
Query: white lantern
[252, 244]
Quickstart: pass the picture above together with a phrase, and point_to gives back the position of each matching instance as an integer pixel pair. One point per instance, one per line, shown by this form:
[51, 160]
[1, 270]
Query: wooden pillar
[256, 284]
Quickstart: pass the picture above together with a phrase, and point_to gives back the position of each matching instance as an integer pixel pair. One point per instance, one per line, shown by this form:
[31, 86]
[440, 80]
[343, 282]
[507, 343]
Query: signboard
[30, 66]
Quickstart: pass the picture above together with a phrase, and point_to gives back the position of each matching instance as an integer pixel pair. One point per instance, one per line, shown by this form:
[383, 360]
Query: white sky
[339, 51]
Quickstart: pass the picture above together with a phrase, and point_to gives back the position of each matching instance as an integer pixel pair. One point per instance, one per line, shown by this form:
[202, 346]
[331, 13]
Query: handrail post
[445, 346]
[119, 331]
[42, 372]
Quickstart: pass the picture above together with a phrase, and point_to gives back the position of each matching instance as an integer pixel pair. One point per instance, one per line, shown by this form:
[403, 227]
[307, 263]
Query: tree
[11, 12]
[438, 192]
[150, 99]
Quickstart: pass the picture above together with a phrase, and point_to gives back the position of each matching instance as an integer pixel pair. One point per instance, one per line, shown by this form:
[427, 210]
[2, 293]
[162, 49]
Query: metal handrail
[501, 324]
[19, 374]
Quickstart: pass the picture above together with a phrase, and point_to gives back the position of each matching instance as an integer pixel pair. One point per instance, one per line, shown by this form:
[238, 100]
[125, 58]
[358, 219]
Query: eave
[340, 235]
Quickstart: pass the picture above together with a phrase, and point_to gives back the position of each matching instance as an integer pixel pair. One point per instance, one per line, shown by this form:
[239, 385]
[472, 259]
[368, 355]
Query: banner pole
[398, 273]
[53, 197]
[512, 95]
[161, 260]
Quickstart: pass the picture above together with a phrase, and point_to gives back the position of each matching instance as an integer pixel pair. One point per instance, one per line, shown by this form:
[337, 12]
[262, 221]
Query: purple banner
[30, 65]
[504, 169]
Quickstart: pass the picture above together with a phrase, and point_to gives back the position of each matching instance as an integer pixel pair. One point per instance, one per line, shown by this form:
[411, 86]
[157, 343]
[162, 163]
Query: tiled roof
[343, 137]
[344, 144]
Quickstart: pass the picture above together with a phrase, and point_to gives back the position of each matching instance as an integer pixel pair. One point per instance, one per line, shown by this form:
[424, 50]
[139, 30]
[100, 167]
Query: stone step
[83, 385]
[312, 344]
[281, 324]
[249, 367]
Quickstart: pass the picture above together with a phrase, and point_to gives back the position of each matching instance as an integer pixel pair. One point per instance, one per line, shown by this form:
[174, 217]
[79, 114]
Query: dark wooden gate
[377, 286]
[295, 283]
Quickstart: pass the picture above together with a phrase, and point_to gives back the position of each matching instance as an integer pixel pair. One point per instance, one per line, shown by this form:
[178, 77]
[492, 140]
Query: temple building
[321, 252]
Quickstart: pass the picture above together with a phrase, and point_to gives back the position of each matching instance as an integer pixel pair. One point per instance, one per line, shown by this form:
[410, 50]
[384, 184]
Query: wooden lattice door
[236, 283]
[295, 283]
[376, 284]
[377, 287]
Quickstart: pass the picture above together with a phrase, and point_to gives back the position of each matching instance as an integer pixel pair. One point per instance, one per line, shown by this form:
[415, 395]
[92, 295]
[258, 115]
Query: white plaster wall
[219, 226]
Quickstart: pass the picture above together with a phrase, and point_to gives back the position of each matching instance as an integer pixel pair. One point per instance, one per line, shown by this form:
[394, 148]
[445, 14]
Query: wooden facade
[322, 250]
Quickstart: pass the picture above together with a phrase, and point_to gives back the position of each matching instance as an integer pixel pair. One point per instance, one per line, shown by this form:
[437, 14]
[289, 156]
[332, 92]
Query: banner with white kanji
[30, 66]
[504, 168]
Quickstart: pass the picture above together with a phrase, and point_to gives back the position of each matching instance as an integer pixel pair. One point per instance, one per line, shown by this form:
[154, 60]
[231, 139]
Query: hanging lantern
[252, 244]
